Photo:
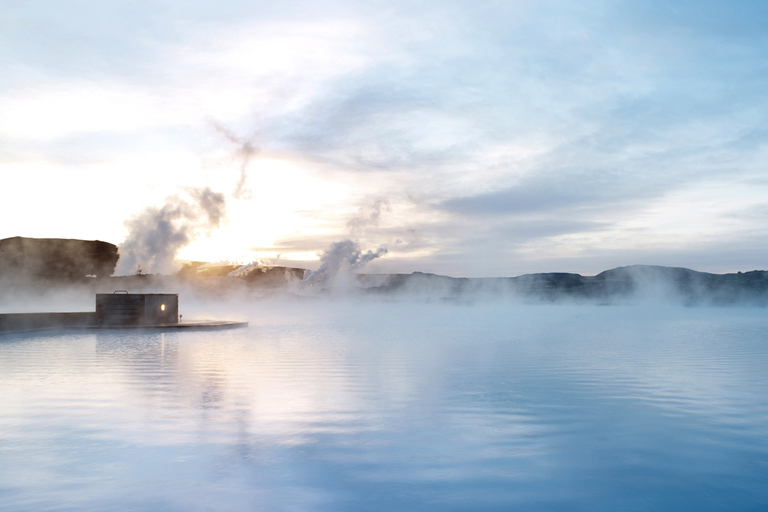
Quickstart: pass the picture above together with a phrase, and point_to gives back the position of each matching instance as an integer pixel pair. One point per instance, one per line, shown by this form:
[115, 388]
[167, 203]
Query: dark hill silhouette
[42, 262]
[56, 258]
[622, 283]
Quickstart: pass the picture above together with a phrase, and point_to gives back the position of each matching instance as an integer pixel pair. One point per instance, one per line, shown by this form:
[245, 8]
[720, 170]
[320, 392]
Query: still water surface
[394, 407]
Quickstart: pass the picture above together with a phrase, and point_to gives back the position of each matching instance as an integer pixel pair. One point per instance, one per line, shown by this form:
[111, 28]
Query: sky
[462, 138]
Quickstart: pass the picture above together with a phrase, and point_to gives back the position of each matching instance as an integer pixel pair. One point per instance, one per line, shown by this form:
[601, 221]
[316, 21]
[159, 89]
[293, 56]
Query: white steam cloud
[342, 258]
[247, 269]
[156, 235]
[339, 258]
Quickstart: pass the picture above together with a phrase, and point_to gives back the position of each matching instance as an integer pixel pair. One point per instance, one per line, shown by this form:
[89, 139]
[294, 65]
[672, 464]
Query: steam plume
[341, 256]
[245, 152]
[246, 269]
[368, 217]
[156, 235]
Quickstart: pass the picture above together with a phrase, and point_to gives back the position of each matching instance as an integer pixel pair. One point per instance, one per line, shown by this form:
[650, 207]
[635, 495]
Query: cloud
[527, 198]
[368, 218]
[493, 114]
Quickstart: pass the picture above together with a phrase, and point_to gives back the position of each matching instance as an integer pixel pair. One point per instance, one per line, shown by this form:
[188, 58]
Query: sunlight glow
[286, 199]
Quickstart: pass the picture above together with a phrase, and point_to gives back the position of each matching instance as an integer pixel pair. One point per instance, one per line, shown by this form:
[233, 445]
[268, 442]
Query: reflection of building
[137, 308]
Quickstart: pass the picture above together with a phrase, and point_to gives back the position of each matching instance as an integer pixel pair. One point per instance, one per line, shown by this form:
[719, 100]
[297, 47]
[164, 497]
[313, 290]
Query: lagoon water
[394, 406]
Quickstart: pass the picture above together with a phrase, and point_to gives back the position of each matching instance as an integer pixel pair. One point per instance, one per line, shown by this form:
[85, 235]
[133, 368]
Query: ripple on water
[451, 407]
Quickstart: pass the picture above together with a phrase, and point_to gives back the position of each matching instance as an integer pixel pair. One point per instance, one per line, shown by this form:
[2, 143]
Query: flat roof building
[137, 308]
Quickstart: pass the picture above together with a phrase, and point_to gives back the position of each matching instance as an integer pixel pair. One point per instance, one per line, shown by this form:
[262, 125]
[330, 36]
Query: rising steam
[340, 257]
[246, 269]
[156, 235]
[245, 152]
[368, 217]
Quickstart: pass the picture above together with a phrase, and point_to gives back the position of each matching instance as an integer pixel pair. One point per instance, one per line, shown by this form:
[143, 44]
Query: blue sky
[470, 139]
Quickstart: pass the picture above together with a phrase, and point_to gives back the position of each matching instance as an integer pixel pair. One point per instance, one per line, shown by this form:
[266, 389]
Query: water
[394, 407]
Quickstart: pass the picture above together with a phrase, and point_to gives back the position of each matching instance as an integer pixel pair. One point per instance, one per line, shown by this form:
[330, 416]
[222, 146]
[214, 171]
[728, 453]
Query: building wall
[137, 309]
[161, 309]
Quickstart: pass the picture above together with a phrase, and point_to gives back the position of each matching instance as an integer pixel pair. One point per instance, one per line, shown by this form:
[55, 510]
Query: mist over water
[342, 405]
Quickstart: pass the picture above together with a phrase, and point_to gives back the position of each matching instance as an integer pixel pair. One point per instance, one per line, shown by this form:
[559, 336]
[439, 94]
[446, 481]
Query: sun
[287, 201]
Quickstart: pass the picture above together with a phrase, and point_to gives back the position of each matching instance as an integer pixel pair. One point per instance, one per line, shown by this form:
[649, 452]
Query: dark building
[137, 308]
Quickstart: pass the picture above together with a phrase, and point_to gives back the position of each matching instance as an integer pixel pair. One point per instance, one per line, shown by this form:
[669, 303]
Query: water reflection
[448, 407]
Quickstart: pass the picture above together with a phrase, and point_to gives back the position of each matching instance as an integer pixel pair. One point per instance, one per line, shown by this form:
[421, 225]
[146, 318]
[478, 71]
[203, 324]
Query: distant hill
[56, 258]
[45, 262]
[256, 276]
[623, 283]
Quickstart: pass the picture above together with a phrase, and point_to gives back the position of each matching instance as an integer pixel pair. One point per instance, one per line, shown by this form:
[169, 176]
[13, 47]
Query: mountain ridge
[40, 264]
